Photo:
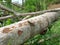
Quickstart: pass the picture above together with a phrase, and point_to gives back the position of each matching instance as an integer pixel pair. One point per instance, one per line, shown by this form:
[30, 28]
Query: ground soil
[54, 6]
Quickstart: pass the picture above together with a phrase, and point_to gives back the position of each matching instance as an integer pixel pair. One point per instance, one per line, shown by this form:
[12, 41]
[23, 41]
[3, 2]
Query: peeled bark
[19, 32]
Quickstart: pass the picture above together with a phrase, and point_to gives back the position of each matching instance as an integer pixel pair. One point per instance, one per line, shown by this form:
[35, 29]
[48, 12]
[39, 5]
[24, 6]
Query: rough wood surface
[19, 32]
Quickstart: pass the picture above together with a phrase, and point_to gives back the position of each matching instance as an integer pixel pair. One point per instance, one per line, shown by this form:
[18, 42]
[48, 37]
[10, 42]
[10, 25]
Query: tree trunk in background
[38, 5]
[17, 33]
[22, 4]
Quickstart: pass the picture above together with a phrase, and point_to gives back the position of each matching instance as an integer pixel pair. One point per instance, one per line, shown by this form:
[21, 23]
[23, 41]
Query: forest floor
[54, 6]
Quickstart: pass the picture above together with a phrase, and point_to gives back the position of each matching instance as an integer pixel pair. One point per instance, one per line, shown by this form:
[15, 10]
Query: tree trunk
[17, 33]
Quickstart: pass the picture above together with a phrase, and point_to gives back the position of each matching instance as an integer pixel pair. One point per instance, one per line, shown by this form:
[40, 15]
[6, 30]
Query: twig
[5, 17]
[26, 17]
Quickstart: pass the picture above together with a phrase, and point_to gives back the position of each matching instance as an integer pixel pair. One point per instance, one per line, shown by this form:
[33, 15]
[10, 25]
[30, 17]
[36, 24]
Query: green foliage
[5, 22]
[8, 21]
[56, 27]
[36, 5]
[31, 5]
[33, 40]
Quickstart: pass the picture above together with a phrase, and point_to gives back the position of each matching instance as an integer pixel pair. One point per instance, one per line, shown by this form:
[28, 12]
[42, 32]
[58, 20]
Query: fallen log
[31, 14]
[21, 31]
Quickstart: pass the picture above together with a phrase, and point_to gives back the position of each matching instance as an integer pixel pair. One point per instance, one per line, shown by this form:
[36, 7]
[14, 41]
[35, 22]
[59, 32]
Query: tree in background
[8, 3]
[35, 5]
[32, 5]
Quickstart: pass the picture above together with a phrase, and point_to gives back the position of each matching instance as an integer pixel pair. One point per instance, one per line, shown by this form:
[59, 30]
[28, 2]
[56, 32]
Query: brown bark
[19, 32]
